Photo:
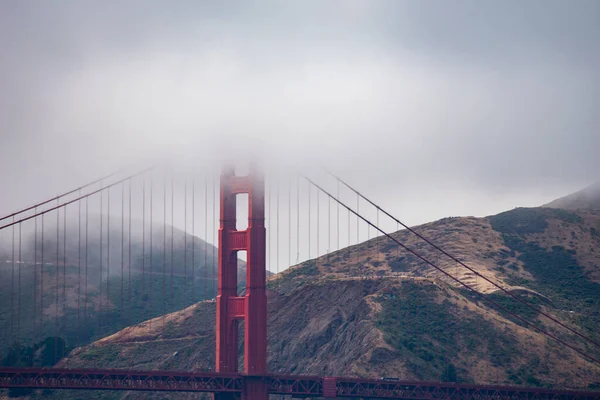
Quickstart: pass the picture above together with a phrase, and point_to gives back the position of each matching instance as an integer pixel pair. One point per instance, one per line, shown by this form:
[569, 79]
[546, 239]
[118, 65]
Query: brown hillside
[373, 310]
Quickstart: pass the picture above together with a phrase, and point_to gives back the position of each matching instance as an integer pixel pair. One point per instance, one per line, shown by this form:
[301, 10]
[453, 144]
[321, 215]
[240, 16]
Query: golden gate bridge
[83, 259]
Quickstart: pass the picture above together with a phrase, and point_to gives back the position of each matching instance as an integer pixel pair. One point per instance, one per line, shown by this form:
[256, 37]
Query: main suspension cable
[79, 189]
[457, 280]
[455, 259]
[37, 214]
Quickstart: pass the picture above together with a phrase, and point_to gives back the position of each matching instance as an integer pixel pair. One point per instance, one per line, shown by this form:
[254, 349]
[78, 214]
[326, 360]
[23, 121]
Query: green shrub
[520, 221]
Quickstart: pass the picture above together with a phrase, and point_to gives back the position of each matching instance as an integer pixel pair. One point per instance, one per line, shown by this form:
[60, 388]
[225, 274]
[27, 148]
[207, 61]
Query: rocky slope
[374, 310]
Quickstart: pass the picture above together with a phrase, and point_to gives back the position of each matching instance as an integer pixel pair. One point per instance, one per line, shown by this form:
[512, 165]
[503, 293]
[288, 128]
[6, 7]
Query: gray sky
[433, 108]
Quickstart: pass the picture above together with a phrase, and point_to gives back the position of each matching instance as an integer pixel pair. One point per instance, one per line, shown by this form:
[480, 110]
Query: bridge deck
[298, 386]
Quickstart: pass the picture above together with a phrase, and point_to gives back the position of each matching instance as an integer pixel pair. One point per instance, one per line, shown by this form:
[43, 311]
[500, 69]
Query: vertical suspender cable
[338, 216]
[151, 266]
[164, 274]
[318, 229]
[12, 286]
[79, 265]
[289, 222]
[35, 240]
[144, 303]
[106, 310]
[397, 247]
[328, 228]
[172, 233]
[214, 233]
[101, 261]
[56, 270]
[297, 219]
[185, 241]
[357, 228]
[122, 313]
[41, 327]
[376, 236]
[309, 216]
[21, 264]
[130, 307]
[277, 251]
[268, 244]
[193, 237]
[64, 276]
[129, 255]
[206, 236]
[368, 239]
[349, 236]
[85, 300]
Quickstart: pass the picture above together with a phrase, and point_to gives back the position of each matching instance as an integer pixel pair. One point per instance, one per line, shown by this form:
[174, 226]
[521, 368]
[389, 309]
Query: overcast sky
[434, 108]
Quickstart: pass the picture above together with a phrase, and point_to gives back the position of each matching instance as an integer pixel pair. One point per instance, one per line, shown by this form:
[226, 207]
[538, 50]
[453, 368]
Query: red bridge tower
[252, 307]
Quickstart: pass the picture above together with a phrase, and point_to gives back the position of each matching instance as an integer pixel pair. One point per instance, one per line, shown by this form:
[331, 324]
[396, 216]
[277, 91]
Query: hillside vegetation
[86, 296]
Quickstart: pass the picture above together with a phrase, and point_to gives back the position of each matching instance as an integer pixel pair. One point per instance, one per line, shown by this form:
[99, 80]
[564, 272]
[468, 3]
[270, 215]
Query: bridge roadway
[296, 386]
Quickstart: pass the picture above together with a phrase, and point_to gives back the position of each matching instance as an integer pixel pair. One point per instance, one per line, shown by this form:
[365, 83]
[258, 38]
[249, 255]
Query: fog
[433, 110]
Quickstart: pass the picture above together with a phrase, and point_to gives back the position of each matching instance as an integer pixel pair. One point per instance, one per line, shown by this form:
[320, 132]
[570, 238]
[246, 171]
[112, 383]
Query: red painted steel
[120, 380]
[255, 324]
[227, 326]
[236, 307]
[253, 306]
[329, 387]
[235, 385]
[238, 240]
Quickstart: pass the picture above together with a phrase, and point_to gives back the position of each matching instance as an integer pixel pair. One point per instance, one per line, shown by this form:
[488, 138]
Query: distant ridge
[588, 198]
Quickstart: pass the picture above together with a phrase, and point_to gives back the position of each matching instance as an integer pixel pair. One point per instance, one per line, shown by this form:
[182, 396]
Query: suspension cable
[101, 263]
[193, 238]
[85, 301]
[57, 284]
[185, 235]
[79, 265]
[215, 228]
[130, 306]
[35, 248]
[106, 311]
[309, 216]
[14, 214]
[42, 281]
[151, 261]
[457, 280]
[277, 251]
[12, 288]
[164, 274]
[37, 214]
[206, 236]
[122, 313]
[297, 219]
[172, 240]
[455, 259]
[21, 263]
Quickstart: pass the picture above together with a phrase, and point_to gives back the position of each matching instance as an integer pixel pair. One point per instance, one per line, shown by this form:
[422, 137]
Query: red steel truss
[350, 387]
[120, 380]
[296, 386]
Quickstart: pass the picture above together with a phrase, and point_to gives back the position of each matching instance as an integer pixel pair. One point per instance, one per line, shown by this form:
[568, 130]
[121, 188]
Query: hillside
[100, 283]
[587, 198]
[373, 310]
